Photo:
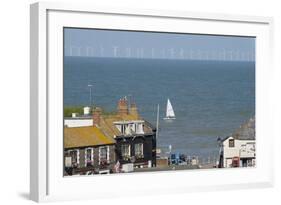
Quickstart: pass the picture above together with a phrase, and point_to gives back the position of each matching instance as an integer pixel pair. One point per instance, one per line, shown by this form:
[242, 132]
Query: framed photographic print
[147, 101]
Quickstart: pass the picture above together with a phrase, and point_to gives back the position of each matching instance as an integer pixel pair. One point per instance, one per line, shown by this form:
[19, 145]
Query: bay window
[139, 150]
[125, 151]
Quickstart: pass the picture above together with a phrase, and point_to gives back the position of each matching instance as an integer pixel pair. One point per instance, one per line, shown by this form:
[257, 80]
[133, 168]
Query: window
[89, 158]
[122, 129]
[249, 163]
[139, 128]
[250, 147]
[74, 154]
[125, 151]
[103, 155]
[231, 143]
[126, 128]
[139, 150]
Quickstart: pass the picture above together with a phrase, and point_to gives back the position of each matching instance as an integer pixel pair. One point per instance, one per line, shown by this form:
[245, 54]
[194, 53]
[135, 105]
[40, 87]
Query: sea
[210, 99]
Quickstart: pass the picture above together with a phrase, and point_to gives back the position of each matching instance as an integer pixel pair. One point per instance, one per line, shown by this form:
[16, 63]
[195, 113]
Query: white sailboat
[170, 114]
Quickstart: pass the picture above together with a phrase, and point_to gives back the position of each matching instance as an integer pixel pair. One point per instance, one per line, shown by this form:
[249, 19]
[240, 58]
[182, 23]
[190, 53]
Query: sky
[155, 45]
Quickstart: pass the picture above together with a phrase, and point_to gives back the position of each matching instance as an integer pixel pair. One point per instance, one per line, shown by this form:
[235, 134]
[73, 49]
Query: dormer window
[130, 127]
[139, 128]
[231, 143]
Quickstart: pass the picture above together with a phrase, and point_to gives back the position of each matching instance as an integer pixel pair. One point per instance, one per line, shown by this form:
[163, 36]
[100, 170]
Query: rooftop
[246, 131]
[104, 127]
[108, 123]
[84, 137]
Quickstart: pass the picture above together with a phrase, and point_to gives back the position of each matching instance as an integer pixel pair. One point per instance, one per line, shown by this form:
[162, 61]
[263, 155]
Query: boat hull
[169, 118]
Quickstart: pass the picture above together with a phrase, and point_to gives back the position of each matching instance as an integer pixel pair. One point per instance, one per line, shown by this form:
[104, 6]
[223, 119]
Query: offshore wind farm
[157, 45]
[163, 53]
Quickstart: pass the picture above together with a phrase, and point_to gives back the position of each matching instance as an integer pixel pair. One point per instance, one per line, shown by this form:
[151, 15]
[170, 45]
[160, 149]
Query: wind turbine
[199, 54]
[70, 51]
[74, 51]
[223, 55]
[191, 54]
[101, 51]
[252, 56]
[141, 52]
[181, 53]
[248, 56]
[237, 55]
[163, 53]
[172, 52]
[137, 52]
[243, 56]
[128, 52]
[214, 56]
[115, 50]
[79, 50]
[231, 55]
[207, 55]
[152, 53]
[89, 51]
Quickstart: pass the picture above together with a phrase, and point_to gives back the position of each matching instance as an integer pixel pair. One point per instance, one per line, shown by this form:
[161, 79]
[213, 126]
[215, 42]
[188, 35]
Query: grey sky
[137, 44]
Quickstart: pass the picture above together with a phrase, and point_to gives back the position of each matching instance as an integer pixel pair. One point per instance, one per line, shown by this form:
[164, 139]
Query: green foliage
[67, 111]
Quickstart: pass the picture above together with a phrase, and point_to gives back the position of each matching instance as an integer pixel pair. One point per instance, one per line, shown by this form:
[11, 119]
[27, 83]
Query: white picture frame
[46, 177]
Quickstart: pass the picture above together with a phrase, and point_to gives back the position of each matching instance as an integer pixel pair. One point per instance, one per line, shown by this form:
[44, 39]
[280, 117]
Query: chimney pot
[122, 107]
[97, 116]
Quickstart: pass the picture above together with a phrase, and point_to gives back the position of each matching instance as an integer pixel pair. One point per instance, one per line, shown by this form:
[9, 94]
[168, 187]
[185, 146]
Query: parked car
[176, 159]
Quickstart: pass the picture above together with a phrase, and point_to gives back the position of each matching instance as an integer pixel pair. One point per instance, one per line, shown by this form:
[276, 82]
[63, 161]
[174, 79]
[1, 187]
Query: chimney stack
[97, 116]
[122, 107]
[134, 110]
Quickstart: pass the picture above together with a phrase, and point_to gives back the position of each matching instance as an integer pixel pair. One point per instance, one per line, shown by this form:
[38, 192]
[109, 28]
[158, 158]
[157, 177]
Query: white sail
[170, 111]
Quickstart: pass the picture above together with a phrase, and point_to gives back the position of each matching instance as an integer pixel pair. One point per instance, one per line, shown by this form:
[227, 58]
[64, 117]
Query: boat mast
[157, 122]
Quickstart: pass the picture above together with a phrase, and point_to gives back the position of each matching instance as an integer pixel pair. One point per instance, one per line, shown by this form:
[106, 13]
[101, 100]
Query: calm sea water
[210, 98]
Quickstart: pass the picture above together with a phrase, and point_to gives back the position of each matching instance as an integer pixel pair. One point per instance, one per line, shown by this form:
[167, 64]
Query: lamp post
[90, 86]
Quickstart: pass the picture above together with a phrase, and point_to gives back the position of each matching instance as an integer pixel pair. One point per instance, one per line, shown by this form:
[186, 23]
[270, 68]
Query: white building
[84, 120]
[239, 149]
[78, 121]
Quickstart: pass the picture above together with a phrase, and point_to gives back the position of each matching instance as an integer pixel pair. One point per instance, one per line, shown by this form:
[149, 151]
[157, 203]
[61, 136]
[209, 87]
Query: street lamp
[90, 86]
